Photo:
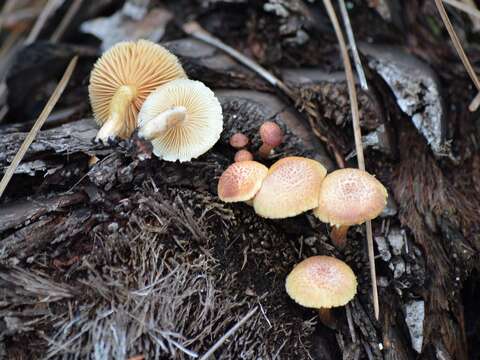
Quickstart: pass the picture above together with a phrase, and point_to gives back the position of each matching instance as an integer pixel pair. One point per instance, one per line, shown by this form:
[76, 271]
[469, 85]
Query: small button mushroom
[290, 188]
[243, 155]
[121, 80]
[183, 120]
[238, 141]
[321, 282]
[349, 197]
[272, 136]
[241, 181]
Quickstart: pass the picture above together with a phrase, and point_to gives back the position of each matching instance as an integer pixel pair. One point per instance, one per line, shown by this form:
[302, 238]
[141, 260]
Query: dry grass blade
[47, 11]
[457, 45]
[67, 18]
[229, 333]
[352, 92]
[463, 7]
[194, 29]
[38, 124]
[353, 45]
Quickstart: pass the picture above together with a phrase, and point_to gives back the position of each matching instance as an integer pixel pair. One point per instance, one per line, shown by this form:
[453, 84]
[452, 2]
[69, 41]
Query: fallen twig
[229, 333]
[352, 92]
[38, 124]
[459, 48]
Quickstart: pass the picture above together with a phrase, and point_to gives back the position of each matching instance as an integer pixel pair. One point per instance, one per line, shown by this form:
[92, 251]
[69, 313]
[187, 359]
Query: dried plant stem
[352, 92]
[47, 11]
[458, 46]
[38, 124]
[229, 333]
[67, 18]
[463, 7]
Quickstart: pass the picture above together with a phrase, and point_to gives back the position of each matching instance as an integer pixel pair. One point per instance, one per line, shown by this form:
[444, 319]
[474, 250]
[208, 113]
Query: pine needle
[458, 46]
[352, 92]
[38, 124]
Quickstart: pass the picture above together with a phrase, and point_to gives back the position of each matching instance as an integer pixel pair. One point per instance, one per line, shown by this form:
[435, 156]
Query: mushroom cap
[350, 197]
[271, 134]
[243, 155]
[241, 181]
[321, 282]
[202, 125]
[141, 64]
[238, 141]
[290, 188]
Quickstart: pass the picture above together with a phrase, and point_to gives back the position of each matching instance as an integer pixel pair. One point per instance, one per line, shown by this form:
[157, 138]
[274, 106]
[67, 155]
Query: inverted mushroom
[290, 188]
[241, 181]
[122, 79]
[321, 282]
[349, 197]
[183, 120]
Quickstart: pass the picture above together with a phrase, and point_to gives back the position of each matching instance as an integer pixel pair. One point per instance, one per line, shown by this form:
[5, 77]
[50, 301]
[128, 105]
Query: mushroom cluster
[294, 185]
[141, 84]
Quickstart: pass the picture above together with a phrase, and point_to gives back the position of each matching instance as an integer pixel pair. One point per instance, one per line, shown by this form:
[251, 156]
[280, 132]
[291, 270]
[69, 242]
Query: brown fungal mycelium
[122, 79]
[349, 197]
[241, 181]
[183, 120]
[290, 188]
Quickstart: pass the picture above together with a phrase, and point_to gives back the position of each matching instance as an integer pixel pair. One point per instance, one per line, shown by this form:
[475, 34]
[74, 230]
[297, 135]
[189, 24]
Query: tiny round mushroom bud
[349, 197]
[243, 155]
[241, 181]
[183, 120]
[290, 188]
[321, 282]
[272, 136]
[238, 141]
[121, 80]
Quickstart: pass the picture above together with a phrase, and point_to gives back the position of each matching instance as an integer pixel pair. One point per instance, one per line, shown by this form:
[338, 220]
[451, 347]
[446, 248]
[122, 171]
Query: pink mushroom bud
[238, 141]
[243, 155]
[271, 136]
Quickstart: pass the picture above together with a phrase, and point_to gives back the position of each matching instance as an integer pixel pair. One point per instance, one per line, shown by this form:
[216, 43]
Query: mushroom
[271, 136]
[349, 197]
[238, 141]
[121, 80]
[241, 181]
[290, 188]
[322, 282]
[243, 155]
[183, 119]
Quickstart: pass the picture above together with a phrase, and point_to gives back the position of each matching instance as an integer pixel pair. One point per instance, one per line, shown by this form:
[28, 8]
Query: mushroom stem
[115, 125]
[327, 318]
[265, 151]
[163, 122]
[338, 235]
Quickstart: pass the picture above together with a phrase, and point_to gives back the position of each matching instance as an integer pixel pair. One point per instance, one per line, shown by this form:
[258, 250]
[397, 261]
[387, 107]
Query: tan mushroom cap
[321, 282]
[290, 188]
[137, 68]
[183, 119]
[241, 181]
[350, 197]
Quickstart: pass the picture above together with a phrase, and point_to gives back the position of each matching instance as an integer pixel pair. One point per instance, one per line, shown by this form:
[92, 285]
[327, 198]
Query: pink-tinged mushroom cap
[350, 197]
[290, 188]
[321, 282]
[241, 181]
[243, 155]
[238, 141]
[271, 134]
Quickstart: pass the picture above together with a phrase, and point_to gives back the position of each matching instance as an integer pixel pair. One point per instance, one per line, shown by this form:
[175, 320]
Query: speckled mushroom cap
[321, 282]
[241, 181]
[290, 188]
[141, 65]
[350, 197]
[197, 132]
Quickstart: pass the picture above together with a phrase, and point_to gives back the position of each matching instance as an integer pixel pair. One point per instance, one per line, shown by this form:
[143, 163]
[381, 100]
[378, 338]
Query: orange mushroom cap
[241, 181]
[321, 282]
[350, 197]
[290, 188]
